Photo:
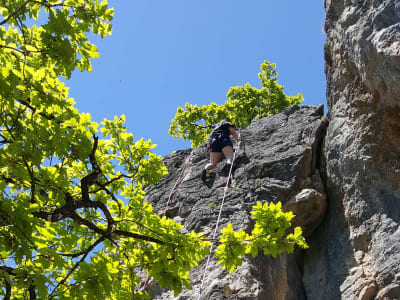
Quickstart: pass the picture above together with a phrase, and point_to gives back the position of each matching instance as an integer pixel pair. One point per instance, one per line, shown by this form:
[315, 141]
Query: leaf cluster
[73, 224]
[269, 235]
[244, 104]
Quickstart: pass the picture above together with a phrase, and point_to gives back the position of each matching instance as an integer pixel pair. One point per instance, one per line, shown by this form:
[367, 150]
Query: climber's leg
[215, 158]
[228, 152]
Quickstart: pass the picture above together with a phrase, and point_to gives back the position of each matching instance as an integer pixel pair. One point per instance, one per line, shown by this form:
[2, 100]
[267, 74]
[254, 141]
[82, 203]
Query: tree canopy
[244, 104]
[73, 224]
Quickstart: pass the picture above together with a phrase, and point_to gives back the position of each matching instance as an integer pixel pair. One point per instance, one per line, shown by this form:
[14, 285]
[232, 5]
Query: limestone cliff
[277, 161]
[356, 252]
[349, 169]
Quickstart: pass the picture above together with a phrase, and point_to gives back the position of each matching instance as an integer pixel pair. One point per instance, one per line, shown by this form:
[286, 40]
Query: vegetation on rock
[269, 234]
[244, 104]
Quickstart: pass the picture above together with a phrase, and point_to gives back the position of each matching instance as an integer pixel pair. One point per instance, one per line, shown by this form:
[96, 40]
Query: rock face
[277, 161]
[355, 253]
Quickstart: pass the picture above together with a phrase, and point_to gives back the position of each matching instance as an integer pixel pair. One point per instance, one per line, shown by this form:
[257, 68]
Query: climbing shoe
[205, 175]
[228, 164]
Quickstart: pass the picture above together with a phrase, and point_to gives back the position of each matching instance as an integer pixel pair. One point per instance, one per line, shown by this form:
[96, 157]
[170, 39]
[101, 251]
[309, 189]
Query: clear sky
[163, 53]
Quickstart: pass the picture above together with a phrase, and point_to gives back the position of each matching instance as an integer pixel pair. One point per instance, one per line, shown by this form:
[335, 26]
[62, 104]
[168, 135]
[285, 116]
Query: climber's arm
[234, 133]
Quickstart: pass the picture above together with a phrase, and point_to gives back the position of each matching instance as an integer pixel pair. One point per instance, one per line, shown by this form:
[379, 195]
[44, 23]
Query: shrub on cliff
[245, 103]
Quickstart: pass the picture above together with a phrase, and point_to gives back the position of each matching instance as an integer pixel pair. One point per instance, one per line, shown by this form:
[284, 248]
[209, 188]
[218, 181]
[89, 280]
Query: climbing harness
[218, 219]
[178, 181]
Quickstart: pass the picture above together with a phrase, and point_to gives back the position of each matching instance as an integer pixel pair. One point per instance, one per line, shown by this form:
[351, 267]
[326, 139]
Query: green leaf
[244, 104]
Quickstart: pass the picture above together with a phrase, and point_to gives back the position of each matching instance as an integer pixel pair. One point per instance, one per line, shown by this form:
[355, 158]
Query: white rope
[177, 181]
[216, 225]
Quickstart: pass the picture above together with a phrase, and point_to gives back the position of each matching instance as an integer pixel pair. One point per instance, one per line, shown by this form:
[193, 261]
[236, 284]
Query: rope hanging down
[218, 219]
[178, 181]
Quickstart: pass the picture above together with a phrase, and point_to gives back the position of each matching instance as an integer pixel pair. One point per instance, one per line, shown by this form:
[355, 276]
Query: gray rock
[309, 208]
[277, 161]
[355, 253]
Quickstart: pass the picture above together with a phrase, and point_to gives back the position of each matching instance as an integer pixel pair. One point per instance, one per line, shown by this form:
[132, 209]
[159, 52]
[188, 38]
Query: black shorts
[219, 142]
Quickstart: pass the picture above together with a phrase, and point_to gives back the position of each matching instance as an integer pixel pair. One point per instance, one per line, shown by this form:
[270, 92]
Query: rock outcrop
[355, 254]
[342, 181]
[277, 161]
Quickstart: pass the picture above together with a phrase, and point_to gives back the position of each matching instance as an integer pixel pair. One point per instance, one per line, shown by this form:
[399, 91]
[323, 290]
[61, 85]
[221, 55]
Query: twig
[14, 49]
[14, 13]
[88, 250]
[48, 5]
[138, 236]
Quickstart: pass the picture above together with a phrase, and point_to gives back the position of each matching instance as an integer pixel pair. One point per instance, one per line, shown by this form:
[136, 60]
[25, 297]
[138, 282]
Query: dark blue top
[222, 129]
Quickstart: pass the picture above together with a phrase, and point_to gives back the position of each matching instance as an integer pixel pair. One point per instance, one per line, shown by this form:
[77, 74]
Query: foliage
[244, 104]
[269, 235]
[72, 221]
[73, 224]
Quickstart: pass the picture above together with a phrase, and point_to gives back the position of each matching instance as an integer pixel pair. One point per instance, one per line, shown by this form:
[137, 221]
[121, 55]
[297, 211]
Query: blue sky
[165, 53]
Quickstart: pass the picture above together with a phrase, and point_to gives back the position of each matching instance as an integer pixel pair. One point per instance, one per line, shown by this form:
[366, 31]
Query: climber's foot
[205, 175]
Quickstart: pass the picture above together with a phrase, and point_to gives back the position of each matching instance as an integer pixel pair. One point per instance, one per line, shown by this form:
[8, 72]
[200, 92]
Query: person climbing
[220, 144]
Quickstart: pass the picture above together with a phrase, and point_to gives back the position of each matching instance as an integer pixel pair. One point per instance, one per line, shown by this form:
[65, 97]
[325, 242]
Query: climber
[220, 144]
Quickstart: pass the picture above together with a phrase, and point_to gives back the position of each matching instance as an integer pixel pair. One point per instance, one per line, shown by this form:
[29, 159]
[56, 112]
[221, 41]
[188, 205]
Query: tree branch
[33, 109]
[8, 270]
[90, 248]
[33, 180]
[5, 139]
[108, 192]
[10, 221]
[8, 290]
[15, 13]
[92, 179]
[138, 236]
[7, 179]
[67, 210]
[14, 49]
[48, 5]
[11, 271]
[104, 185]
[2, 142]
[81, 221]
[32, 293]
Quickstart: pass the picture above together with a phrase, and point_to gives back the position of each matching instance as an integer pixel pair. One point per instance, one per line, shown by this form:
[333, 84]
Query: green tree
[73, 224]
[244, 104]
[72, 221]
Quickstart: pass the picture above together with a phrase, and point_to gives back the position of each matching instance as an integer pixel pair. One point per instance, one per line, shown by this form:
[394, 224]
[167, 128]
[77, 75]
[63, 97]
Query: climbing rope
[178, 181]
[218, 220]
